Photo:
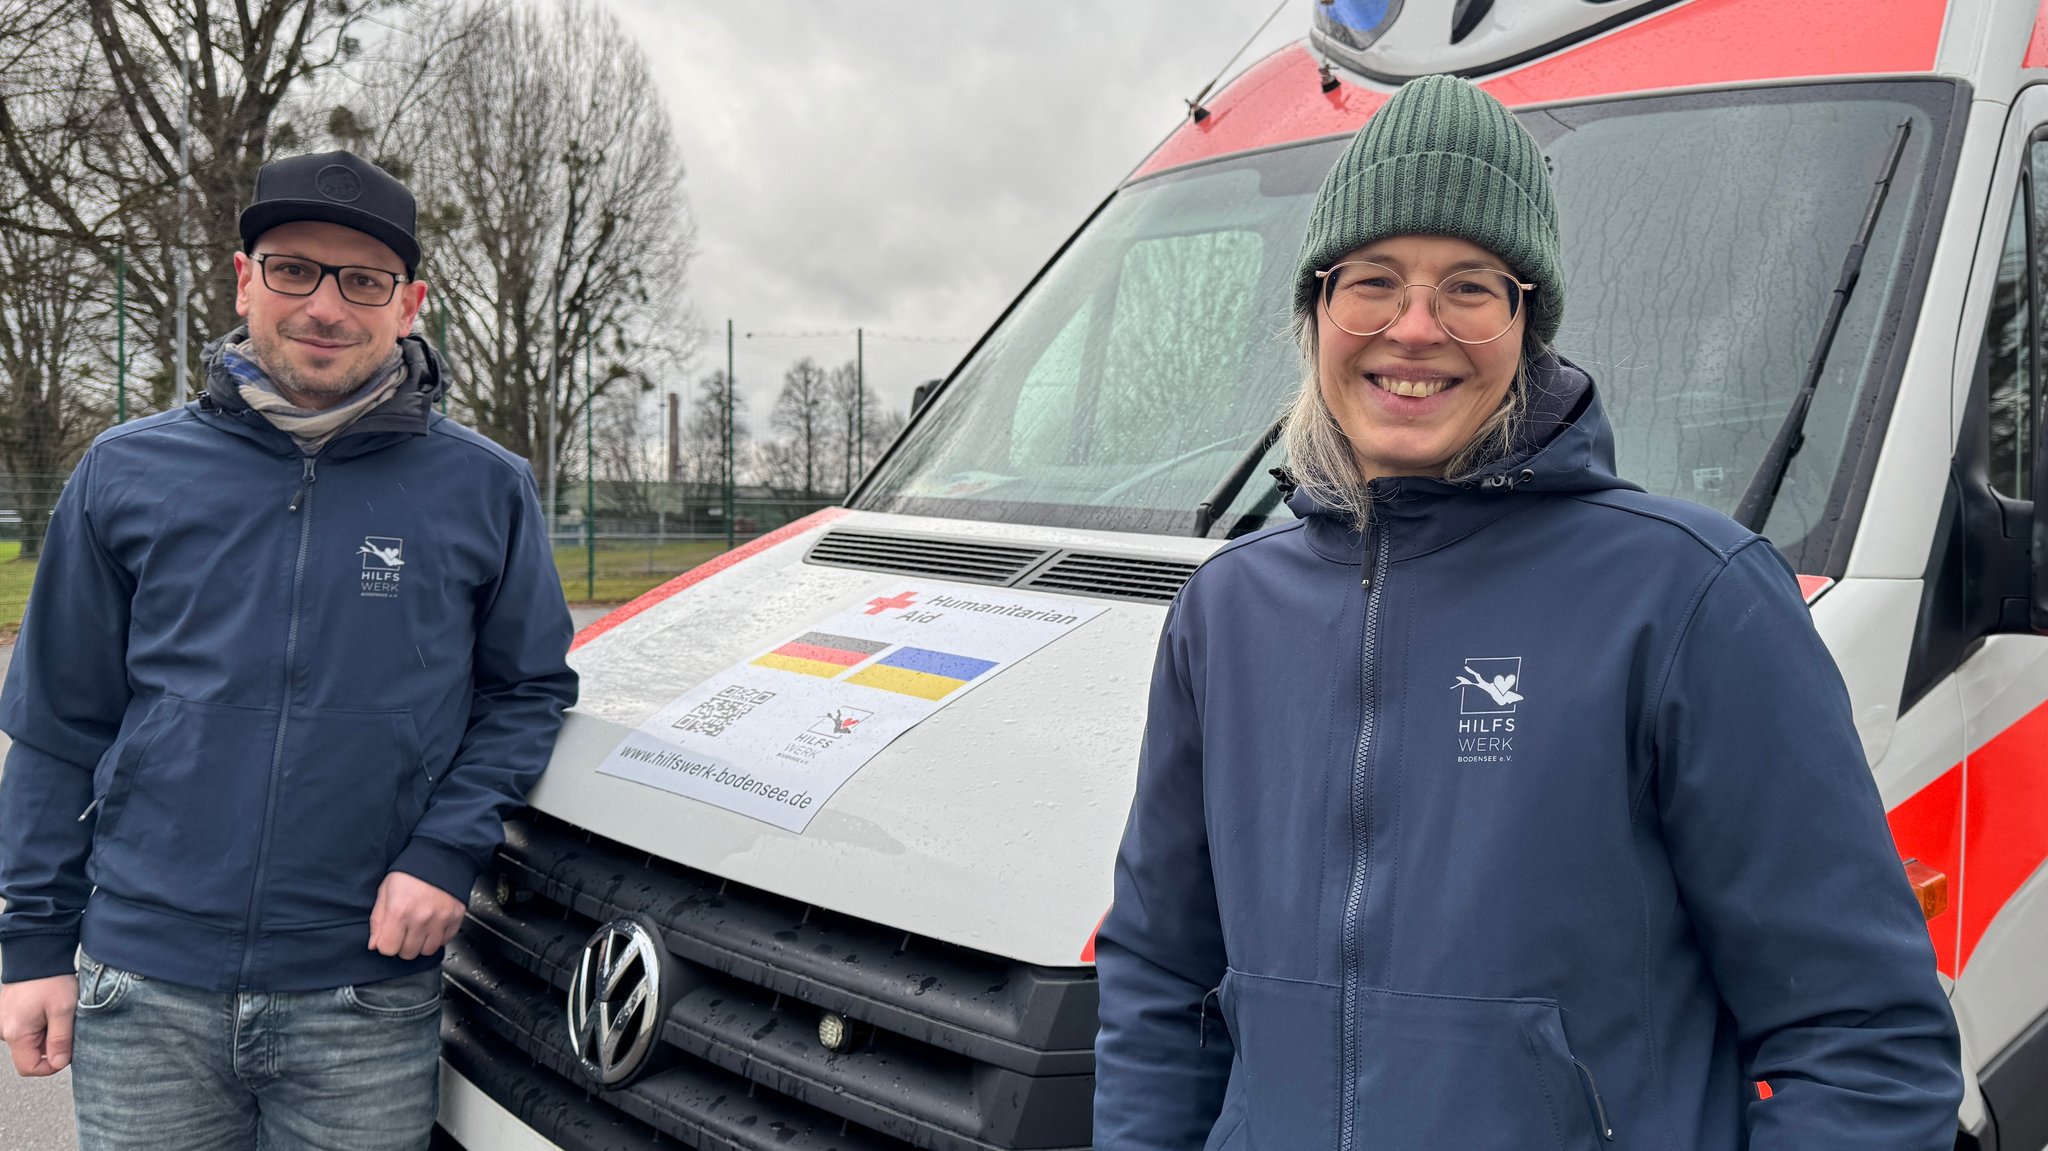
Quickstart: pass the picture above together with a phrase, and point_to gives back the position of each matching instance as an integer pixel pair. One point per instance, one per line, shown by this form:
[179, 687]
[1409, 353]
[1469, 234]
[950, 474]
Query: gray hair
[1320, 456]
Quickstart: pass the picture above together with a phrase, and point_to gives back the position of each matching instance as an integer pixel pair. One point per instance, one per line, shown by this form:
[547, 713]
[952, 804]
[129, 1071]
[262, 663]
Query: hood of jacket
[408, 412]
[1565, 446]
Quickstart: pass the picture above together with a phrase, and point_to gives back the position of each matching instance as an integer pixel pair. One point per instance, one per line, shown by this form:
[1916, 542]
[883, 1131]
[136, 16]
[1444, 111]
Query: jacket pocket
[184, 798]
[1475, 1074]
[1289, 1050]
[114, 776]
[350, 787]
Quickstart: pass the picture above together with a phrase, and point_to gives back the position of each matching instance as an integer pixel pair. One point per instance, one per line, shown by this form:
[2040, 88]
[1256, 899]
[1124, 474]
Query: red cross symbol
[878, 606]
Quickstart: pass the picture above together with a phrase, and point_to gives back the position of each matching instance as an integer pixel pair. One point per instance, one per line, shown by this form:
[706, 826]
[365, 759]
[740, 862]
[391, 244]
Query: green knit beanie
[1442, 158]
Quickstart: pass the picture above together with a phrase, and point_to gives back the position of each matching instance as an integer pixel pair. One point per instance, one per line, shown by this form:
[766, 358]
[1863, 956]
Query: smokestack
[675, 437]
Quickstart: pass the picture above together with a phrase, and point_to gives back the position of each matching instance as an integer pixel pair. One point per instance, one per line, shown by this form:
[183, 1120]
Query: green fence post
[589, 477]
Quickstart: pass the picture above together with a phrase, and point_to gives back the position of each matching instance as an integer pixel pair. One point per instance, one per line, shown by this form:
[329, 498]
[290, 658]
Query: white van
[821, 854]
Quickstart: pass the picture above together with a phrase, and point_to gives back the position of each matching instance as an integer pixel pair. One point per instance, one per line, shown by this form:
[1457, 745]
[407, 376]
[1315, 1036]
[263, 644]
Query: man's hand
[35, 1020]
[412, 918]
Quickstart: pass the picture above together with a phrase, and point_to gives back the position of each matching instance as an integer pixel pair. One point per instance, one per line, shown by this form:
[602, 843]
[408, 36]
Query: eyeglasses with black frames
[298, 276]
[1473, 306]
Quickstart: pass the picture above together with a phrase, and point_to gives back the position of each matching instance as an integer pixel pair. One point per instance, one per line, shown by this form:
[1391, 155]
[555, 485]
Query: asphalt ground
[35, 1114]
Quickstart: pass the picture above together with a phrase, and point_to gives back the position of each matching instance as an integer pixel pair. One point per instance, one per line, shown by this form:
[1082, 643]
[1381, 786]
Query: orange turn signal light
[1930, 886]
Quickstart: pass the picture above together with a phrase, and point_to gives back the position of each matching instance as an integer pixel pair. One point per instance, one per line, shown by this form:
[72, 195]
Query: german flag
[820, 654]
[921, 672]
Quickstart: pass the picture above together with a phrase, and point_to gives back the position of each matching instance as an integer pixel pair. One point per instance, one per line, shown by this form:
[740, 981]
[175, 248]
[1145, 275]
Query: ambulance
[821, 854]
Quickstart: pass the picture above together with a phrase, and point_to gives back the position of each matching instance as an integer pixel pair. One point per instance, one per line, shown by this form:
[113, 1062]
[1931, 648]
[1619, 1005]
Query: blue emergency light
[1355, 24]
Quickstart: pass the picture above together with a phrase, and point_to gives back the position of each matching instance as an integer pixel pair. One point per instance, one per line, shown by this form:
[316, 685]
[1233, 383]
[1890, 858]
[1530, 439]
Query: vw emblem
[616, 1002]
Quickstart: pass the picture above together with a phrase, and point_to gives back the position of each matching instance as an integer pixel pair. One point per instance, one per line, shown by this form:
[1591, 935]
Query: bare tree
[108, 77]
[804, 411]
[53, 395]
[625, 462]
[703, 442]
[779, 465]
[553, 218]
[850, 406]
[882, 429]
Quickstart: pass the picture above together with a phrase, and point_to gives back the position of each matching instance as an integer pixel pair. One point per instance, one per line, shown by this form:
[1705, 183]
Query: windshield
[1702, 237]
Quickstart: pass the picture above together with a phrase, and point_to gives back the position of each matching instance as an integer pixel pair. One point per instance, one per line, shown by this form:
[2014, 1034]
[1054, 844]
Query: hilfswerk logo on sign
[1490, 686]
[383, 564]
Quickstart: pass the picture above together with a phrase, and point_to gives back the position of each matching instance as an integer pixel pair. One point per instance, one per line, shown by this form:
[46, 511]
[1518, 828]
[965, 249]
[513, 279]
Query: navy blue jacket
[1533, 818]
[251, 683]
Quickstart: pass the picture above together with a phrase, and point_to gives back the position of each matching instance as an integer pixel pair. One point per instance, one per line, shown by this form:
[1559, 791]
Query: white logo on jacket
[1489, 689]
[383, 559]
[1490, 686]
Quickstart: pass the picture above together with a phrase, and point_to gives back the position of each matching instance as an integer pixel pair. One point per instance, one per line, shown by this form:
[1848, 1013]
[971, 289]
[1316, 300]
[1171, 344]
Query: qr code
[723, 710]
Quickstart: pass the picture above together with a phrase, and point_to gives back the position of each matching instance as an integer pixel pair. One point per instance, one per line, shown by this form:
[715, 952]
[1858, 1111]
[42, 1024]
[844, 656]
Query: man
[293, 651]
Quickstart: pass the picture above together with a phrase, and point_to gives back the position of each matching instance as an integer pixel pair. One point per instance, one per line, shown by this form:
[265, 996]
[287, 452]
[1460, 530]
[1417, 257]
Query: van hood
[992, 824]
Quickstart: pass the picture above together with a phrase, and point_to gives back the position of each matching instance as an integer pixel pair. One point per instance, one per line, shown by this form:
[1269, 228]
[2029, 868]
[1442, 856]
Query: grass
[625, 568]
[16, 575]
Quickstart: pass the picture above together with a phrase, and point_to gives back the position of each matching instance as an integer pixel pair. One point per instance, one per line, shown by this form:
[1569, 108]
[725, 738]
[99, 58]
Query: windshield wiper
[1234, 479]
[1762, 492]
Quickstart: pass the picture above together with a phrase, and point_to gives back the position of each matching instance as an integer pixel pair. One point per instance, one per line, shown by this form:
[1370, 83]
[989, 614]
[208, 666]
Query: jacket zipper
[1372, 580]
[1599, 1108]
[302, 506]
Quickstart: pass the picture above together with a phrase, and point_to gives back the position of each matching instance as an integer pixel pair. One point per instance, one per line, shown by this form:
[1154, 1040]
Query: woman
[1493, 803]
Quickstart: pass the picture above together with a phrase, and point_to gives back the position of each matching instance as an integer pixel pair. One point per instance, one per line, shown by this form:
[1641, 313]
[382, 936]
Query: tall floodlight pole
[730, 533]
[860, 405]
[121, 336]
[554, 373]
[573, 160]
[184, 256]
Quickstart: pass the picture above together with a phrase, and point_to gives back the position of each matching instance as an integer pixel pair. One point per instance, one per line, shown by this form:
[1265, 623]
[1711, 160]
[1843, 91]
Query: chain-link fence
[750, 431]
[641, 533]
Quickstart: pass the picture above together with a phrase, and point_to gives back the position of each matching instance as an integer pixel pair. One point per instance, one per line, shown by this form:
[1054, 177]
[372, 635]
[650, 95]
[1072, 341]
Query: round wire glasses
[1473, 306]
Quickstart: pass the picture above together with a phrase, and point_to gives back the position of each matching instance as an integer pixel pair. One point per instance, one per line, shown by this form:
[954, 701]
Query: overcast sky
[906, 166]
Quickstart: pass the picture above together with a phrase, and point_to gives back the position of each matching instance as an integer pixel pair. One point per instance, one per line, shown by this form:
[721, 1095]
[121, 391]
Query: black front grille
[1124, 577]
[963, 1051]
[970, 560]
[1071, 572]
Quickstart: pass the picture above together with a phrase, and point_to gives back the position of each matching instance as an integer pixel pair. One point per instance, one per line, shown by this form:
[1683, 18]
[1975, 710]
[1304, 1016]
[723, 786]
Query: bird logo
[385, 552]
[1489, 686]
[1500, 688]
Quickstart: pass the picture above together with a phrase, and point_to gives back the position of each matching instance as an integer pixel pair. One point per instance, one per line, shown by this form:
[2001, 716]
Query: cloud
[908, 166]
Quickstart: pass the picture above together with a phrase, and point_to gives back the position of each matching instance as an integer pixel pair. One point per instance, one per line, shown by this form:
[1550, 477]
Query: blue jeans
[163, 1067]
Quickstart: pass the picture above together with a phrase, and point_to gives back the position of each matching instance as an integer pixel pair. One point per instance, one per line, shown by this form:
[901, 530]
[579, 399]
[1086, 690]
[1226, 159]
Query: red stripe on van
[1731, 41]
[1810, 587]
[1279, 100]
[2004, 799]
[704, 571]
[2037, 47]
[1276, 101]
[1928, 826]
[1088, 948]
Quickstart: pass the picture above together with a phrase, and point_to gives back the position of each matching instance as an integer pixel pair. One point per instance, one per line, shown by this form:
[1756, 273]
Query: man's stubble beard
[356, 366]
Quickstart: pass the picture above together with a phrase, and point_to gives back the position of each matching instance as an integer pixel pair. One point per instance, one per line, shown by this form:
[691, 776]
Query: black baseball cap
[339, 188]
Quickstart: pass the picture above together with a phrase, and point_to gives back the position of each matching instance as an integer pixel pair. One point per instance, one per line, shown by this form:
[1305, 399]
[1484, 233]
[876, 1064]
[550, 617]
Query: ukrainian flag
[921, 672]
[818, 653]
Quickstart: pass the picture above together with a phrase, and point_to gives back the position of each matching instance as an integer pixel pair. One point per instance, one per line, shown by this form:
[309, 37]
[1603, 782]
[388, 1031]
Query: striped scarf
[309, 428]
